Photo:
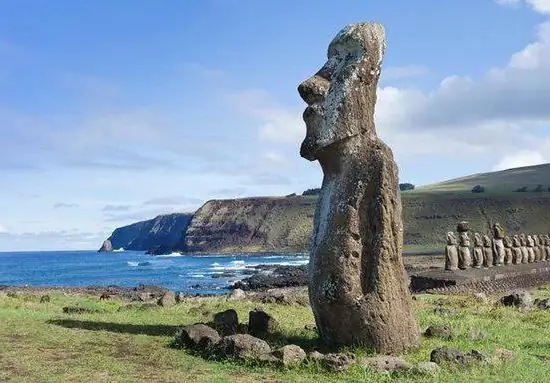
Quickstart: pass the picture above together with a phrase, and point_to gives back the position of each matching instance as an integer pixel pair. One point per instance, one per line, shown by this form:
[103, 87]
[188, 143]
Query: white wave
[170, 255]
[215, 264]
[132, 263]
[197, 276]
[119, 250]
[238, 263]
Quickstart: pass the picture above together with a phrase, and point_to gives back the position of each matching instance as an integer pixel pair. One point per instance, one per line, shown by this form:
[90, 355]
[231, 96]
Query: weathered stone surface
[543, 304]
[519, 298]
[498, 251]
[444, 332]
[226, 322]
[290, 355]
[504, 355]
[426, 368]
[106, 246]
[463, 227]
[508, 255]
[197, 335]
[481, 297]
[478, 356]
[358, 289]
[498, 231]
[464, 255]
[487, 251]
[517, 255]
[334, 362]
[448, 355]
[242, 346]
[477, 260]
[237, 295]
[261, 323]
[536, 249]
[385, 363]
[530, 249]
[524, 251]
[168, 299]
[451, 252]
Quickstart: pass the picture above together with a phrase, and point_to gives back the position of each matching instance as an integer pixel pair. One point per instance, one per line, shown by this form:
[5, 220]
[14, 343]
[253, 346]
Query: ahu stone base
[492, 280]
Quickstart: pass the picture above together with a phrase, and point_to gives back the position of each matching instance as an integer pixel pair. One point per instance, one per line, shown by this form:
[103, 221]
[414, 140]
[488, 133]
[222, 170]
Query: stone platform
[487, 280]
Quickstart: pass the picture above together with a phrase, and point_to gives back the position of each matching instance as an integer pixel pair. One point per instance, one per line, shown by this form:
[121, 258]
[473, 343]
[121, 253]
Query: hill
[284, 224]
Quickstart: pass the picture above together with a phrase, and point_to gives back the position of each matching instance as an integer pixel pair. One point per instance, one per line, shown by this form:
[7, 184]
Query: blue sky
[116, 111]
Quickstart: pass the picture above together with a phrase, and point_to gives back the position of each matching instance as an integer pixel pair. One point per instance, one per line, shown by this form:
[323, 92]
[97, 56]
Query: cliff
[161, 231]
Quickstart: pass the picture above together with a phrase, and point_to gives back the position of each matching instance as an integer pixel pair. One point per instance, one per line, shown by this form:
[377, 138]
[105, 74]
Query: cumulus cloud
[63, 205]
[540, 6]
[3, 229]
[519, 159]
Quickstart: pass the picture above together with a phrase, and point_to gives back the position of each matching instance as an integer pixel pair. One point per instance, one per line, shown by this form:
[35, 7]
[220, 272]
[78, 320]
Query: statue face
[346, 81]
[451, 239]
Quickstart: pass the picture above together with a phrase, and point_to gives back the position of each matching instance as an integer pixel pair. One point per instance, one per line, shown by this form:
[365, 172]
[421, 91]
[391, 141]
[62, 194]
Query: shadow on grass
[126, 328]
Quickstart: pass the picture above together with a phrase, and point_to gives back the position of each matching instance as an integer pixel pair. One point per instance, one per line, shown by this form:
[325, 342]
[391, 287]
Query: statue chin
[308, 150]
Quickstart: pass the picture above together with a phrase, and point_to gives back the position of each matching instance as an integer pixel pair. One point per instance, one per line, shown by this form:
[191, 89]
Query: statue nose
[314, 89]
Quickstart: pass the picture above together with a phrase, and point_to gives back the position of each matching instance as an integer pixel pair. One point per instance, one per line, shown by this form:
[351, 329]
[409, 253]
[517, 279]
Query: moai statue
[464, 256]
[542, 247]
[530, 249]
[536, 248]
[524, 252]
[508, 250]
[547, 246]
[487, 251]
[358, 288]
[498, 244]
[517, 255]
[477, 260]
[451, 252]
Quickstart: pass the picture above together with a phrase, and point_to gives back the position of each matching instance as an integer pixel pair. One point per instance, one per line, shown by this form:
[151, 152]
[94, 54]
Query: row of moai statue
[498, 251]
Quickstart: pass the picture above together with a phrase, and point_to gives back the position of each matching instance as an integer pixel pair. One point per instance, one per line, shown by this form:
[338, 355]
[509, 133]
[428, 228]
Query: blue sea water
[185, 273]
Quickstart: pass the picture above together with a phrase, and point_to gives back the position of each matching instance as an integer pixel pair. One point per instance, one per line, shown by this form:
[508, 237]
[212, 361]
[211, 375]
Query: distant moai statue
[498, 244]
[536, 248]
[547, 246]
[451, 252]
[508, 250]
[477, 260]
[524, 252]
[542, 248]
[531, 249]
[464, 256]
[487, 251]
[517, 255]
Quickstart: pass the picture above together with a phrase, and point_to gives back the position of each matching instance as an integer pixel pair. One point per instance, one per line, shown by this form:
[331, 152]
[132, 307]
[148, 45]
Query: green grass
[131, 344]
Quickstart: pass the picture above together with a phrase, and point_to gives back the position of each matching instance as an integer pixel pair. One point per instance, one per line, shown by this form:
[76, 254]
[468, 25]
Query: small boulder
[316, 356]
[337, 362]
[519, 298]
[448, 355]
[386, 363]
[543, 304]
[290, 355]
[261, 323]
[237, 295]
[168, 299]
[504, 355]
[445, 312]
[79, 310]
[45, 299]
[478, 356]
[439, 332]
[198, 336]
[226, 322]
[481, 297]
[243, 346]
[426, 368]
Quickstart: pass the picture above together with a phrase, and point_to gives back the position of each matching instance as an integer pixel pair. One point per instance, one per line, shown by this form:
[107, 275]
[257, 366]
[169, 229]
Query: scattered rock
[519, 298]
[505, 355]
[146, 297]
[226, 322]
[261, 323]
[272, 276]
[448, 355]
[104, 297]
[478, 356]
[426, 368]
[290, 355]
[481, 297]
[336, 362]
[543, 304]
[79, 310]
[11, 294]
[243, 346]
[198, 336]
[385, 363]
[45, 299]
[168, 299]
[475, 334]
[315, 355]
[160, 250]
[439, 332]
[237, 295]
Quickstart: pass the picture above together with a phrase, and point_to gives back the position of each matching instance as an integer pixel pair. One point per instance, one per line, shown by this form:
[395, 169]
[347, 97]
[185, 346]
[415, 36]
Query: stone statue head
[451, 238]
[530, 241]
[498, 231]
[536, 239]
[464, 239]
[478, 242]
[507, 241]
[516, 241]
[523, 239]
[487, 241]
[341, 96]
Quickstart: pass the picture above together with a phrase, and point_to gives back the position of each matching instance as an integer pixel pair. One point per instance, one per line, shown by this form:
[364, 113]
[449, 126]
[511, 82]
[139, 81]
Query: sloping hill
[501, 182]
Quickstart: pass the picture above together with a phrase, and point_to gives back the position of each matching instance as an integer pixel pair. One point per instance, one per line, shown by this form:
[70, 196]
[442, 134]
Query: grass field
[131, 344]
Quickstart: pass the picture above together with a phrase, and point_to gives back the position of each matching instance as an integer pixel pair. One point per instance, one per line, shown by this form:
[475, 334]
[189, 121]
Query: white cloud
[519, 159]
[3, 229]
[540, 6]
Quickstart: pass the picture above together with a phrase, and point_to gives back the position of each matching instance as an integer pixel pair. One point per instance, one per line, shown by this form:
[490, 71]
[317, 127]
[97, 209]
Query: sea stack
[106, 247]
[358, 287]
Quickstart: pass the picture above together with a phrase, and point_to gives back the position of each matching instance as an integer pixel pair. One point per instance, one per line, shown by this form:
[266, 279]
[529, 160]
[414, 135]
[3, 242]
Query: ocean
[196, 274]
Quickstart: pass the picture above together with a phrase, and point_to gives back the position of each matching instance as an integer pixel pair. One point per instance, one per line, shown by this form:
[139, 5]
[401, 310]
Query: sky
[113, 112]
